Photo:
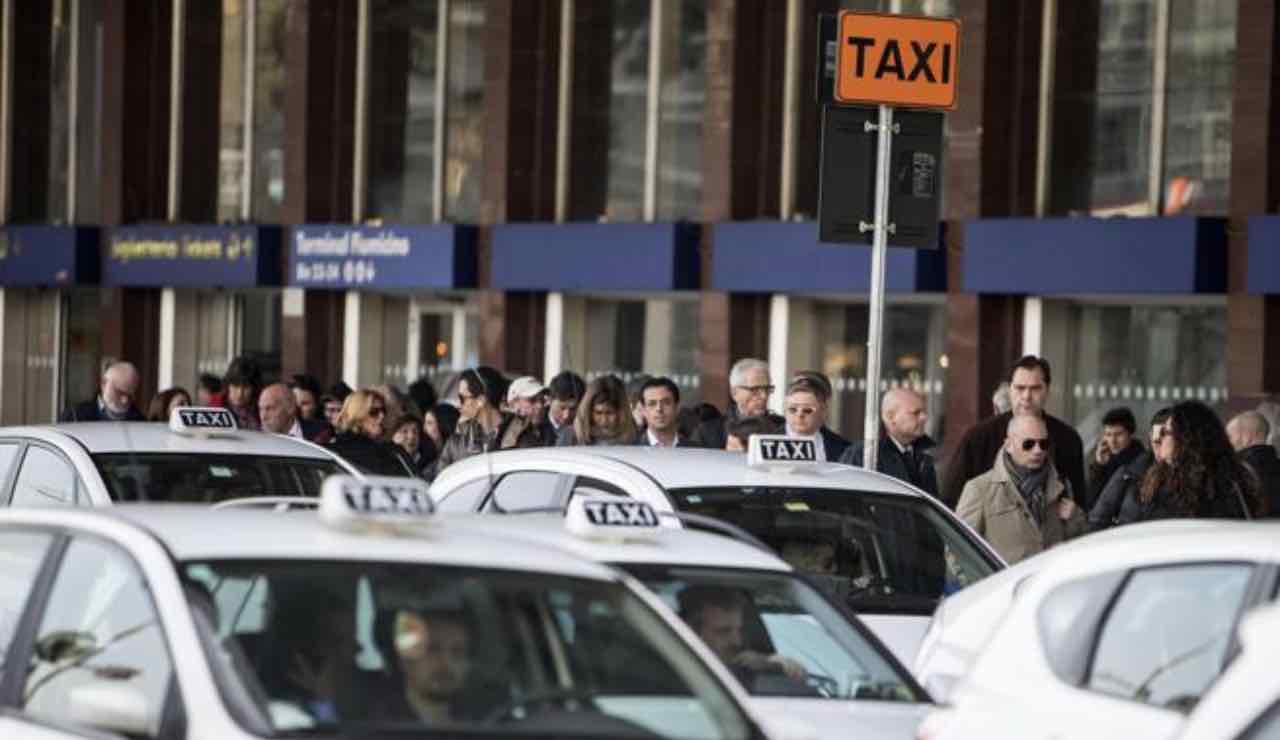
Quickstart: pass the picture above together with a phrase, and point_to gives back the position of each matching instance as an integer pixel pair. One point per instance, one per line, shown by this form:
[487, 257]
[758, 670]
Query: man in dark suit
[750, 388]
[1028, 388]
[806, 416]
[117, 397]
[660, 402]
[903, 444]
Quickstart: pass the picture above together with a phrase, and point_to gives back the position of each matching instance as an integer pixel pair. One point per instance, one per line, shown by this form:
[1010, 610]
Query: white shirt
[295, 431]
[653, 441]
[819, 448]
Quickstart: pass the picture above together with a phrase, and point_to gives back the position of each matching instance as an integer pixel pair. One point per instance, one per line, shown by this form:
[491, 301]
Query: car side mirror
[63, 645]
[111, 706]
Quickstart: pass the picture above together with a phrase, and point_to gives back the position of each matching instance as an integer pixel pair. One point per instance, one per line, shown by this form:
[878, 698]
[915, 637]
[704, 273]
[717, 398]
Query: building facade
[378, 190]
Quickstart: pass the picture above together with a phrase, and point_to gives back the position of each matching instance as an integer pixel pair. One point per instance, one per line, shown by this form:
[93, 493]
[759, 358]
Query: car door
[89, 654]
[1140, 658]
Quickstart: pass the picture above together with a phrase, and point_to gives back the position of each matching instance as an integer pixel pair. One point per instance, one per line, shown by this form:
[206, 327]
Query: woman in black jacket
[360, 437]
[1200, 476]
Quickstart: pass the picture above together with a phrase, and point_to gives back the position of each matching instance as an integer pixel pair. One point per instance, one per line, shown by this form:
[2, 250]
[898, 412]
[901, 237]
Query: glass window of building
[464, 111]
[1142, 117]
[683, 100]
[602, 338]
[831, 337]
[402, 82]
[1142, 357]
[628, 106]
[231, 113]
[268, 111]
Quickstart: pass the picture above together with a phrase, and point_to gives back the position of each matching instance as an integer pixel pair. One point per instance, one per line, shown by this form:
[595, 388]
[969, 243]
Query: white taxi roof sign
[348, 502]
[778, 451]
[609, 518]
[193, 420]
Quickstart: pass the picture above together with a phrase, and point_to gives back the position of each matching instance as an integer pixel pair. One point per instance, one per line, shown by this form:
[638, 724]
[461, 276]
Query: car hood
[830, 718]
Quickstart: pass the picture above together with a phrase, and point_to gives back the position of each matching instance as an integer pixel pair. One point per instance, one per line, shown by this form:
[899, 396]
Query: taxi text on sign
[897, 60]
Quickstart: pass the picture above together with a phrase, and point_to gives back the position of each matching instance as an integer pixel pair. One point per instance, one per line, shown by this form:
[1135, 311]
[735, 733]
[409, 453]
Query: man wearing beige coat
[1021, 506]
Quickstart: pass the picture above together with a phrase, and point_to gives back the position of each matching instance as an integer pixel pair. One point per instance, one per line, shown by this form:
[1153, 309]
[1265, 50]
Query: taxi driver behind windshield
[432, 650]
[718, 616]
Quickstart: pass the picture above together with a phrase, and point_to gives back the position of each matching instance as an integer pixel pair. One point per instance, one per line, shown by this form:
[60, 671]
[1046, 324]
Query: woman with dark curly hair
[1199, 476]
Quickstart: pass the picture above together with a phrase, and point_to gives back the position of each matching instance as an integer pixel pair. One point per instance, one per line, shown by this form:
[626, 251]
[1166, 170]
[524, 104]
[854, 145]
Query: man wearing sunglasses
[1021, 505]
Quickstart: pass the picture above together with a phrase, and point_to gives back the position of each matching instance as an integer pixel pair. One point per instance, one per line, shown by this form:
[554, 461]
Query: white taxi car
[886, 549]
[1115, 637]
[799, 653]
[366, 620]
[1244, 703]
[198, 457]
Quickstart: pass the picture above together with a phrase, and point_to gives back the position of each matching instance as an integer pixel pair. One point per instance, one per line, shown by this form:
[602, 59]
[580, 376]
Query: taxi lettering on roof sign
[897, 60]
[200, 420]
[776, 451]
[346, 501]
[589, 516]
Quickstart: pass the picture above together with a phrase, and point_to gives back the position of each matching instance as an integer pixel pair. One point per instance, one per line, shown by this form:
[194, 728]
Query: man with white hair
[750, 388]
[1248, 433]
[278, 411]
[117, 397]
[903, 444]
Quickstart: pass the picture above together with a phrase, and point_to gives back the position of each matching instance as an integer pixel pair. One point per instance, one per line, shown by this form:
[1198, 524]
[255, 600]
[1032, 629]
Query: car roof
[106, 437]
[702, 468]
[660, 546]
[193, 532]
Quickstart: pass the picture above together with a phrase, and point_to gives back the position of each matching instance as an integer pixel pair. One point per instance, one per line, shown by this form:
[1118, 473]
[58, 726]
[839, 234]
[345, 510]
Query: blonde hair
[607, 389]
[356, 409]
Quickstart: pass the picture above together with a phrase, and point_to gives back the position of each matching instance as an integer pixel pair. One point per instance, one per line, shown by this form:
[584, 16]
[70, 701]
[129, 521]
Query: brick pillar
[137, 39]
[522, 67]
[1253, 322]
[201, 107]
[742, 156]
[989, 172]
[319, 120]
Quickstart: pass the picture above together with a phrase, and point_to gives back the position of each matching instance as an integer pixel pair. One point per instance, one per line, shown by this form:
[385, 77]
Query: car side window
[1165, 639]
[464, 498]
[45, 479]
[22, 554]
[1068, 620]
[100, 656]
[527, 489]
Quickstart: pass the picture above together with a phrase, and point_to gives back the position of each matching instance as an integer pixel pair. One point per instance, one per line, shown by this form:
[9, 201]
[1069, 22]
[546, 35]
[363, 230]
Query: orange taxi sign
[897, 60]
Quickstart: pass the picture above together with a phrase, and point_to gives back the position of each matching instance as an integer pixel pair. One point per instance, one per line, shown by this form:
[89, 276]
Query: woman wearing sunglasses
[1199, 475]
[361, 428]
[1022, 506]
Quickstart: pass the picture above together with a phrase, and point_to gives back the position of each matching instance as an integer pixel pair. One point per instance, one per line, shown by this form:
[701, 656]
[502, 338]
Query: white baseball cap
[524, 387]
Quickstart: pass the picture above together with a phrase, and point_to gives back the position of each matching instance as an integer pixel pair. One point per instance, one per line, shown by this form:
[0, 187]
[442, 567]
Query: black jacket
[90, 411]
[978, 449]
[833, 444]
[372, 456]
[1100, 475]
[1265, 464]
[713, 434]
[1117, 503]
[919, 473]
[320, 432]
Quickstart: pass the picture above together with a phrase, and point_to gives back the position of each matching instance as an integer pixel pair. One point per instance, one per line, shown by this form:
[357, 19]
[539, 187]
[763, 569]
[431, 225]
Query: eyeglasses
[1027, 444]
[757, 390]
[801, 411]
[377, 411]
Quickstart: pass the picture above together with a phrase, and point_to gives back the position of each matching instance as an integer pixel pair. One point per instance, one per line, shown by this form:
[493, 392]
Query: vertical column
[742, 159]
[320, 66]
[522, 72]
[990, 171]
[1253, 322]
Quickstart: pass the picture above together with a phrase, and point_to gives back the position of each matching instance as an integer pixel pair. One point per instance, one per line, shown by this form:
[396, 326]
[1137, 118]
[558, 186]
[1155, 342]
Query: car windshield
[879, 554]
[778, 635]
[208, 478]
[350, 648]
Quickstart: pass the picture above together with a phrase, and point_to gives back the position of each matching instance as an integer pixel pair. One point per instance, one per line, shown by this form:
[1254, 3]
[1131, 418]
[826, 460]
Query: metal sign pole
[879, 249]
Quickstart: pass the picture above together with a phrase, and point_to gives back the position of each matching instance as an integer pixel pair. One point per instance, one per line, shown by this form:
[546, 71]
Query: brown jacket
[992, 505]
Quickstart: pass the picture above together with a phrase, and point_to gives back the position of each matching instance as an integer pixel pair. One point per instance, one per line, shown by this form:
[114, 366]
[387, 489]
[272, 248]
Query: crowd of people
[1020, 478]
